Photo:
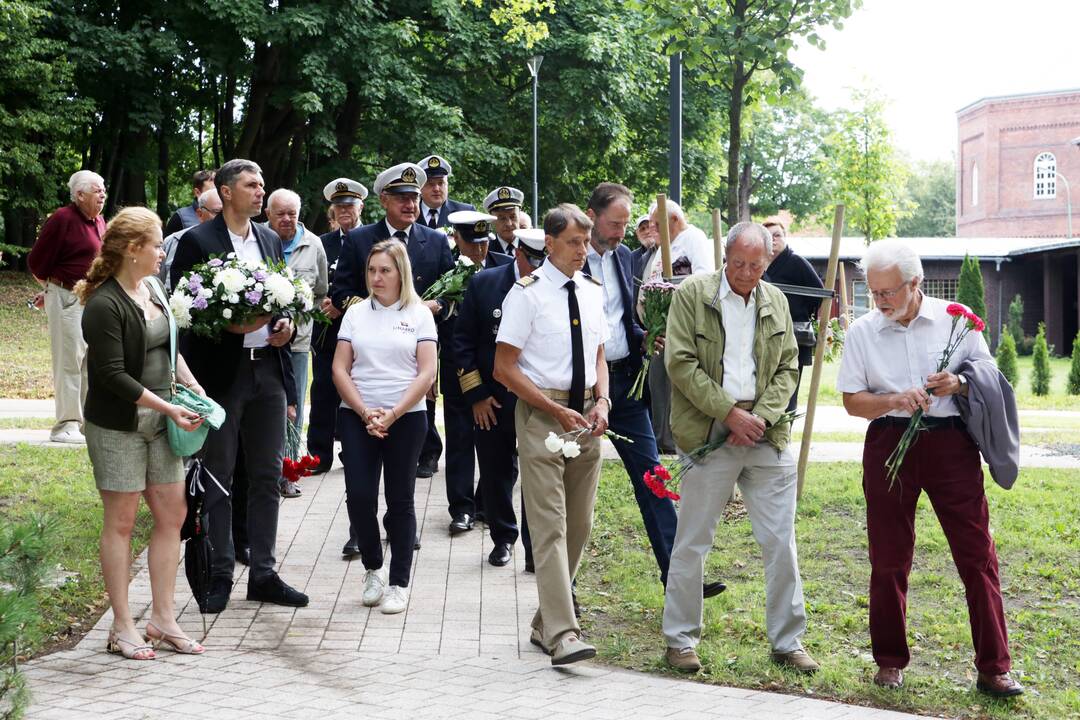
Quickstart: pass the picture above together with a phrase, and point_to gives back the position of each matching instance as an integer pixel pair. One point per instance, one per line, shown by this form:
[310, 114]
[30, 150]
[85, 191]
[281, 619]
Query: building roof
[1018, 96]
[986, 249]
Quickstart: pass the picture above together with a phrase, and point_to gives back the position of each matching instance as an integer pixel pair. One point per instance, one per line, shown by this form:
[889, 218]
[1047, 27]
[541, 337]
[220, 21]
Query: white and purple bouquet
[231, 291]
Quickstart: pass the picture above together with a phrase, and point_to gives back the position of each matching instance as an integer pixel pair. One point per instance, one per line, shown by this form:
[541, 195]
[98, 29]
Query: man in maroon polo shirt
[69, 241]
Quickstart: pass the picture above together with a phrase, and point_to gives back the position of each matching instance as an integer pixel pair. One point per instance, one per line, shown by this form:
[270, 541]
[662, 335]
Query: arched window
[974, 184]
[1045, 179]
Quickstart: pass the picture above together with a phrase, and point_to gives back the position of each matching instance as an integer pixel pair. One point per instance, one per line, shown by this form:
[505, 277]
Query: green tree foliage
[864, 169]
[1040, 373]
[1006, 358]
[742, 46]
[969, 288]
[932, 190]
[1073, 384]
[1016, 319]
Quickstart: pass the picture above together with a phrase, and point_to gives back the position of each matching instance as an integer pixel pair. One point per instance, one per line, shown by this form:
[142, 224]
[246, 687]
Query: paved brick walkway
[461, 649]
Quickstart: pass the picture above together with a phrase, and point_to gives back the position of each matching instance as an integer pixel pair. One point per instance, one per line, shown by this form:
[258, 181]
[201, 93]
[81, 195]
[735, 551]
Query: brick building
[1017, 156]
[1044, 272]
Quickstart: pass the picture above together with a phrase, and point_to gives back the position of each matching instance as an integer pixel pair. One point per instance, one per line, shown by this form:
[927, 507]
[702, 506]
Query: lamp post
[533, 64]
[1068, 203]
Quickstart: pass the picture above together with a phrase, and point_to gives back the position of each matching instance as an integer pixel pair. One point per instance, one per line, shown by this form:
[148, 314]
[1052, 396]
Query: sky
[929, 58]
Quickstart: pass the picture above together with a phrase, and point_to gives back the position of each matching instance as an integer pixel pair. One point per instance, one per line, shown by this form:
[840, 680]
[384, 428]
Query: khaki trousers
[64, 312]
[559, 497]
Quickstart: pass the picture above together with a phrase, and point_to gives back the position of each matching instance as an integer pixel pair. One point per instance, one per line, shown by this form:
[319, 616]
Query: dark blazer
[214, 362]
[429, 254]
[448, 362]
[791, 269]
[324, 339]
[477, 326]
[450, 206]
[635, 334]
[331, 243]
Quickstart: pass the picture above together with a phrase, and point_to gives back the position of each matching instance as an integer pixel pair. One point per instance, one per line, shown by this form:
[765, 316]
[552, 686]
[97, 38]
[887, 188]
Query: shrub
[1006, 358]
[1040, 374]
[1074, 370]
[1016, 320]
[969, 289]
[1026, 346]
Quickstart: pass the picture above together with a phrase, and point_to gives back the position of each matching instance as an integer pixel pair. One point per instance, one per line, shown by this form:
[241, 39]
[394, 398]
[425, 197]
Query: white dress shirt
[536, 319]
[602, 268]
[883, 356]
[247, 248]
[739, 318]
[691, 244]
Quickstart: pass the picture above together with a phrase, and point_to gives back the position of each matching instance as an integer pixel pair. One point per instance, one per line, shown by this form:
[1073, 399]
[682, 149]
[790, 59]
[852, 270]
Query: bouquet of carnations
[231, 291]
[971, 321]
[656, 299]
[451, 286]
[567, 443]
[297, 463]
[664, 482]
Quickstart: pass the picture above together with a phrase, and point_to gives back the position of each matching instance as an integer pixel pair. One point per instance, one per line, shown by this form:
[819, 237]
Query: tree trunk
[735, 108]
[262, 82]
[746, 186]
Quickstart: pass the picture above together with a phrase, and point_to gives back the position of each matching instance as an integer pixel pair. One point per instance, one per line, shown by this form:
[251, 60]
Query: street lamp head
[533, 64]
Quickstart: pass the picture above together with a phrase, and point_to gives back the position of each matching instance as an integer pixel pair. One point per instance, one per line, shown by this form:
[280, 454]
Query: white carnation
[233, 299]
[571, 449]
[464, 261]
[226, 313]
[259, 286]
[280, 290]
[180, 304]
[231, 279]
[553, 442]
[206, 292]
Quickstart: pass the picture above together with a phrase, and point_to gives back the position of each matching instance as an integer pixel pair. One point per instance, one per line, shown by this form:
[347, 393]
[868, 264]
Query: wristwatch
[605, 399]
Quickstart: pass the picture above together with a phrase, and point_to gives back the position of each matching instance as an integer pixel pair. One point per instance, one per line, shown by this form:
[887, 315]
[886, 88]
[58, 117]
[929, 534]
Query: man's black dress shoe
[712, 589]
[218, 597]
[500, 554]
[461, 523]
[427, 468]
[351, 549]
[272, 589]
[243, 555]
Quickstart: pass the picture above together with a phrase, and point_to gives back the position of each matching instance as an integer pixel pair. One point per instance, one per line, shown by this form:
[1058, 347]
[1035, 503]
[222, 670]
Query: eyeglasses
[208, 211]
[887, 294]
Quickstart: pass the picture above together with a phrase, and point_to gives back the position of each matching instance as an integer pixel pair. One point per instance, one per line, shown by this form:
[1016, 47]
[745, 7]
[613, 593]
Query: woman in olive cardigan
[129, 372]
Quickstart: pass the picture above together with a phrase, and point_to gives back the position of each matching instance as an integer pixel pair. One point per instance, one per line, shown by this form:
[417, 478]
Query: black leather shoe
[500, 554]
[243, 556]
[712, 589]
[272, 589]
[218, 597]
[351, 549]
[427, 468]
[530, 566]
[461, 523]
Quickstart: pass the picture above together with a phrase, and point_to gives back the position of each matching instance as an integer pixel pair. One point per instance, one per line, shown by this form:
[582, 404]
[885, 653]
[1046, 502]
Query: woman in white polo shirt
[383, 366]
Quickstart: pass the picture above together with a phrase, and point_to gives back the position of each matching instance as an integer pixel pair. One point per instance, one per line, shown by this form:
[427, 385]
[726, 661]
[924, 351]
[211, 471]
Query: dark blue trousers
[631, 418]
[496, 452]
[395, 458]
[325, 401]
[460, 458]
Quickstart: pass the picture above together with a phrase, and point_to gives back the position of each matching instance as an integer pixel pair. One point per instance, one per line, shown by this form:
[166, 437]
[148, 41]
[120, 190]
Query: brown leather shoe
[891, 678]
[798, 659]
[683, 659]
[999, 686]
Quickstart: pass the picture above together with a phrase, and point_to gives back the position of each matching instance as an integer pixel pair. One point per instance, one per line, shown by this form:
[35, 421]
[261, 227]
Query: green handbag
[185, 443]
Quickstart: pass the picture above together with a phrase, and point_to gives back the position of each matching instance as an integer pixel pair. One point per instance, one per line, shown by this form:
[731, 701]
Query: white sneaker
[373, 588]
[395, 600]
[69, 434]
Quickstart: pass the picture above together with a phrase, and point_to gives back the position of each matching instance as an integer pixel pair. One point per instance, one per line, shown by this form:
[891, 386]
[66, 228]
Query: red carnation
[977, 323]
[662, 473]
[956, 310]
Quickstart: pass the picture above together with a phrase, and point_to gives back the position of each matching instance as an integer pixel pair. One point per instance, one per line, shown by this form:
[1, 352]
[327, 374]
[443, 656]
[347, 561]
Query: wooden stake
[819, 352]
[718, 239]
[665, 234]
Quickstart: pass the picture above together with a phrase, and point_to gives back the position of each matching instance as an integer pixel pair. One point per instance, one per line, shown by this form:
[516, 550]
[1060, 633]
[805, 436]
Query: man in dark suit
[505, 204]
[435, 203]
[610, 262]
[492, 405]
[471, 237]
[246, 370]
[346, 198]
[398, 189]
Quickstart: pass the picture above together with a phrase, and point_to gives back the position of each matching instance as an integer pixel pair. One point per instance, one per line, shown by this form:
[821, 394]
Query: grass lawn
[1058, 399]
[25, 365]
[60, 482]
[1038, 540]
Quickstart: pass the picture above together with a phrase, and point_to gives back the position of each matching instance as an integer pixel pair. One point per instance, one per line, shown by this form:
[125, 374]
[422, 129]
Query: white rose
[259, 286]
[206, 292]
[231, 279]
[233, 299]
[280, 290]
[226, 313]
[571, 449]
[553, 442]
[180, 304]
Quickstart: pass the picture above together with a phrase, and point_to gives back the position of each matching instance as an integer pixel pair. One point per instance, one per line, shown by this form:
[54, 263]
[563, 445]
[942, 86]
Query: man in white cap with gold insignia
[435, 202]
[504, 203]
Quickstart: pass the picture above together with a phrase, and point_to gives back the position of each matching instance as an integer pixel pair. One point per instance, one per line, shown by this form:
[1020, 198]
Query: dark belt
[260, 353]
[931, 423]
[622, 365]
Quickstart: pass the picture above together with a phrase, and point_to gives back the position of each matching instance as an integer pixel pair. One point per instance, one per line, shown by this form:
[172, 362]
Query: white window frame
[1044, 176]
[860, 298]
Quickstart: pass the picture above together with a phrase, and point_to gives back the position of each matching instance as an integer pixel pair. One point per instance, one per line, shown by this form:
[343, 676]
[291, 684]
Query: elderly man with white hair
[207, 206]
[69, 241]
[305, 254]
[889, 370]
[733, 363]
[691, 251]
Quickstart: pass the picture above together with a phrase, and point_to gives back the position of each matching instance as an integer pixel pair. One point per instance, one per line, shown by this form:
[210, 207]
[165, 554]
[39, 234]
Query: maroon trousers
[944, 463]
